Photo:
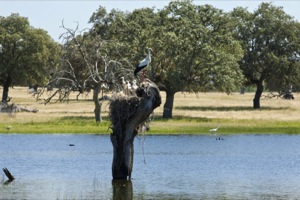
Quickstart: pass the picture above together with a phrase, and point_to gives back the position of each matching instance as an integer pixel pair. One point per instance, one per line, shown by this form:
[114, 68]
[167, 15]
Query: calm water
[165, 167]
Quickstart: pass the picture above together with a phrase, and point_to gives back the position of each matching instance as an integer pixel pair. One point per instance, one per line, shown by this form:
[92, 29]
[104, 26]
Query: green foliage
[201, 48]
[270, 39]
[194, 46]
[27, 55]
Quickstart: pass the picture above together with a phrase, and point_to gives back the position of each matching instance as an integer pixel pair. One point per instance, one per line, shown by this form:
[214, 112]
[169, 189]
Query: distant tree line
[197, 48]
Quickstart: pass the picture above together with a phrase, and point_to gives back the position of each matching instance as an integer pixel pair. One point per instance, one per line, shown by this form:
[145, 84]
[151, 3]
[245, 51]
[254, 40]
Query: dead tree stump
[126, 114]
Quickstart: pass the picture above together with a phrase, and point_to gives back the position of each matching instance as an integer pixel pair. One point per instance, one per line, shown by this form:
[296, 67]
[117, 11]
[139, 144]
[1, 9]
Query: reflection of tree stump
[126, 115]
[122, 189]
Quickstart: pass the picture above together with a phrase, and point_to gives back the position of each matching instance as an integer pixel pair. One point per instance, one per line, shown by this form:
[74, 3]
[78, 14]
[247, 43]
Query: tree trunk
[168, 106]
[126, 115]
[258, 93]
[6, 89]
[98, 104]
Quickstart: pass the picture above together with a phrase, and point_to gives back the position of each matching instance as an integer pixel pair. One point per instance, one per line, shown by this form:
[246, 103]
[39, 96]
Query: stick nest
[122, 109]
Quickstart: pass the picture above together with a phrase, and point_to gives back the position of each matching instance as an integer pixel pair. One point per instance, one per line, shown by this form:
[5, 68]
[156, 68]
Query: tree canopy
[194, 47]
[271, 41]
[27, 54]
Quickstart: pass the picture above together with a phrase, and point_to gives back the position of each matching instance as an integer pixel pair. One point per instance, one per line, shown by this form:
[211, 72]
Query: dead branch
[13, 108]
[8, 175]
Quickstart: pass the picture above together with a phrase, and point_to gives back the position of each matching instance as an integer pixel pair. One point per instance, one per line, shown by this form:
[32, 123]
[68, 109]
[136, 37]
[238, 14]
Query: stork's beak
[152, 52]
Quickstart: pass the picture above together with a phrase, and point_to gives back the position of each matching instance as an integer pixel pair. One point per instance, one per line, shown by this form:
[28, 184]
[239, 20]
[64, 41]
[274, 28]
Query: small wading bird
[214, 130]
[144, 63]
[8, 128]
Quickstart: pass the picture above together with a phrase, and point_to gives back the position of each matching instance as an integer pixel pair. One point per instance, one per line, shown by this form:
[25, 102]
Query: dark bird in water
[144, 63]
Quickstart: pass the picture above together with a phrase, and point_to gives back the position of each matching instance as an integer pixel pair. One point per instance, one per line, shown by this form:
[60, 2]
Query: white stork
[133, 88]
[128, 91]
[123, 82]
[144, 63]
[134, 85]
[124, 85]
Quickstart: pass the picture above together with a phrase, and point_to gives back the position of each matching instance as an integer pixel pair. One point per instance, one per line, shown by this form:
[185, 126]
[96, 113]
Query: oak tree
[27, 54]
[194, 47]
[271, 44]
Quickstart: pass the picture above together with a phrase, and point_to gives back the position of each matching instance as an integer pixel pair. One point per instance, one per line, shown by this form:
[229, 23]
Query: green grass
[176, 125]
[62, 125]
[192, 114]
[187, 125]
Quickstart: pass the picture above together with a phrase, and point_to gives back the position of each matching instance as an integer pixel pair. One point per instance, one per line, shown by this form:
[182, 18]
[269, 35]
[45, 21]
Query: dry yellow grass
[50, 111]
[202, 105]
[234, 106]
[193, 114]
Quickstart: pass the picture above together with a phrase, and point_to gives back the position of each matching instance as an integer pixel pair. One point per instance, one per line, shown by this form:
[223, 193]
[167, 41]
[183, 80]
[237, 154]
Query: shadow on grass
[232, 108]
[106, 120]
[82, 120]
[183, 118]
[75, 118]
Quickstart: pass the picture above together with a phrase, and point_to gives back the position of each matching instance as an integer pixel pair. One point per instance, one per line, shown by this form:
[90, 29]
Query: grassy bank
[227, 126]
[193, 114]
[177, 125]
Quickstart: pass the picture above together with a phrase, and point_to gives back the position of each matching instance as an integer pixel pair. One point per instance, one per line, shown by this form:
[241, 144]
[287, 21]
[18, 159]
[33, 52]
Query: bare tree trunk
[98, 104]
[258, 93]
[6, 89]
[168, 106]
[126, 115]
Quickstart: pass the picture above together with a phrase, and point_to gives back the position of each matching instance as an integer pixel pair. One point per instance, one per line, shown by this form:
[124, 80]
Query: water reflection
[122, 190]
[165, 167]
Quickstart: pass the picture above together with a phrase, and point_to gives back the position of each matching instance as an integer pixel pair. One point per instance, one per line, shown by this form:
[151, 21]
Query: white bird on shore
[214, 130]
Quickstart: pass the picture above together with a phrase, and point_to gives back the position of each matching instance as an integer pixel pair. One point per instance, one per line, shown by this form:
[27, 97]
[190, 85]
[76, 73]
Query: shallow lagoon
[165, 167]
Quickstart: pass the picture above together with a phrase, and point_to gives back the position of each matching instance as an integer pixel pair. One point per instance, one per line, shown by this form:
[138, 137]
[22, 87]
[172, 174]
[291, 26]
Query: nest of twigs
[122, 109]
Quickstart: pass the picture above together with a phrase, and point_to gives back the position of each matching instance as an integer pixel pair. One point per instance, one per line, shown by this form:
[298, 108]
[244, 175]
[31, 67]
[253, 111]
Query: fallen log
[13, 108]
